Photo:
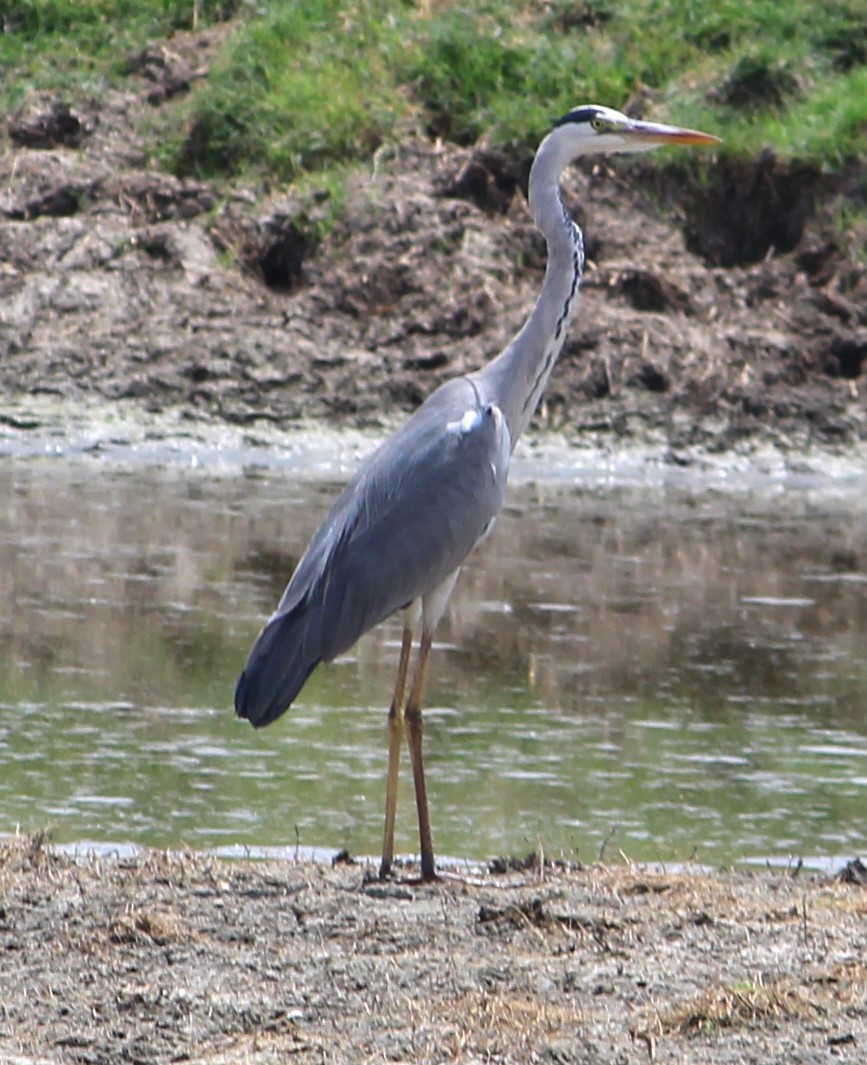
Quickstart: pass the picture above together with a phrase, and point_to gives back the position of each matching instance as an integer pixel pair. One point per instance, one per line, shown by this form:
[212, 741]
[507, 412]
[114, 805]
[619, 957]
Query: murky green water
[662, 670]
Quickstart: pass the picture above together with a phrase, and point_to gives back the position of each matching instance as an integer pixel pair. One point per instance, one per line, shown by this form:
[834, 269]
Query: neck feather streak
[516, 378]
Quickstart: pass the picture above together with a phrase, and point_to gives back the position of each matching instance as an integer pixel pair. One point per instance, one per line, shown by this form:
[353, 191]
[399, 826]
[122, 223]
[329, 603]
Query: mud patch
[751, 209]
[167, 957]
[55, 126]
[720, 316]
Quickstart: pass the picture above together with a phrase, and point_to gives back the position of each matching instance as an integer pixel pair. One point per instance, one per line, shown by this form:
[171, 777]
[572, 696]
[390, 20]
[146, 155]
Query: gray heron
[399, 532]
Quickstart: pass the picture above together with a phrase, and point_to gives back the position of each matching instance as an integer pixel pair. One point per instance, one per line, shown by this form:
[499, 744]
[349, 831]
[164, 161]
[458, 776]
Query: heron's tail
[282, 659]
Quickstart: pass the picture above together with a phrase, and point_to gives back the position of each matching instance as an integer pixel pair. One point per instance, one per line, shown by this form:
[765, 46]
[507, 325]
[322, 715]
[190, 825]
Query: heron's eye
[599, 124]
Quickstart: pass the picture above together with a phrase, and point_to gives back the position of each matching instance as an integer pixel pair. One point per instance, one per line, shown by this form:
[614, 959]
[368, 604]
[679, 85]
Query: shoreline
[182, 957]
[126, 433]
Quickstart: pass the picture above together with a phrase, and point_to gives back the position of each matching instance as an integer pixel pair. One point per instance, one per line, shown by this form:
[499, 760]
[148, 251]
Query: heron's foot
[428, 874]
[447, 876]
[420, 881]
[443, 876]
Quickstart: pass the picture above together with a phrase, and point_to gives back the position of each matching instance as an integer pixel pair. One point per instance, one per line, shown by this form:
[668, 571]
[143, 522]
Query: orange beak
[655, 133]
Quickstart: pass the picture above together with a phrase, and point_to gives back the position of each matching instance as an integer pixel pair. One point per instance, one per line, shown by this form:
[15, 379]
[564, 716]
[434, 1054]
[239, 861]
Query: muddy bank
[712, 316]
[167, 958]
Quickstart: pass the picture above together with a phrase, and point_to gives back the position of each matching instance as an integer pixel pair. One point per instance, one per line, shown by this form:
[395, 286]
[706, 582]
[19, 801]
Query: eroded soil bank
[186, 958]
[717, 315]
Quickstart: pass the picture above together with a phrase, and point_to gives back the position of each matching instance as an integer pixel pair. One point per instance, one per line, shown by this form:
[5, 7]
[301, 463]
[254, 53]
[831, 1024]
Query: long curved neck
[516, 378]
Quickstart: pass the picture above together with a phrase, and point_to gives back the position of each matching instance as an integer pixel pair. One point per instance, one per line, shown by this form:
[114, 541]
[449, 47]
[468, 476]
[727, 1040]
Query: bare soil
[169, 958]
[717, 313]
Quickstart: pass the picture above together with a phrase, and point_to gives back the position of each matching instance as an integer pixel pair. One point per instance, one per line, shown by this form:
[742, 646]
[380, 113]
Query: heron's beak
[653, 134]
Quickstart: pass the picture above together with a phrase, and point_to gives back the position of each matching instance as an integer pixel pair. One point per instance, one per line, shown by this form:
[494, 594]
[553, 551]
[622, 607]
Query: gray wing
[408, 518]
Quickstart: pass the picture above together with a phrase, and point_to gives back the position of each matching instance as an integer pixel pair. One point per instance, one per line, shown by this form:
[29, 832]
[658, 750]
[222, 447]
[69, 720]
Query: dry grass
[489, 1025]
[159, 926]
[272, 960]
[732, 1007]
[776, 1003]
[32, 853]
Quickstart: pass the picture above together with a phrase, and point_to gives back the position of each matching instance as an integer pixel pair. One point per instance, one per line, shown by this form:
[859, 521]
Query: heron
[399, 532]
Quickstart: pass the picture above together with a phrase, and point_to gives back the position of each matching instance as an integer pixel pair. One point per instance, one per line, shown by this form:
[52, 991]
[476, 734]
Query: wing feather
[408, 519]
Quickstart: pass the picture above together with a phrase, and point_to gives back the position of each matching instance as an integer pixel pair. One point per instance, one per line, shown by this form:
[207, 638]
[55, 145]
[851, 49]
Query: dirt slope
[120, 281]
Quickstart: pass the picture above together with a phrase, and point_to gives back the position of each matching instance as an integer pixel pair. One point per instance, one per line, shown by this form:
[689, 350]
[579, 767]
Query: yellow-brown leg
[414, 741]
[395, 741]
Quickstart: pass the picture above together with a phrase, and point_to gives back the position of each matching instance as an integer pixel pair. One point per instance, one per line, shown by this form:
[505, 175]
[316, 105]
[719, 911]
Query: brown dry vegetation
[170, 957]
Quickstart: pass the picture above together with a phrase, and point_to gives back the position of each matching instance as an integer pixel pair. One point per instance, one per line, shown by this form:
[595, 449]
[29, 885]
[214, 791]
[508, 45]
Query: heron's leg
[395, 740]
[414, 741]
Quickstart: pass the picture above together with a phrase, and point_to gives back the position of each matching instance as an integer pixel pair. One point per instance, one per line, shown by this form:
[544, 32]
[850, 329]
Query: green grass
[301, 85]
[290, 94]
[76, 47]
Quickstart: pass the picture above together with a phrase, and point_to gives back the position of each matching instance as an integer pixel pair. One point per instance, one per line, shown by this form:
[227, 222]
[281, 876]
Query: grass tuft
[734, 1007]
[290, 92]
[758, 81]
[301, 85]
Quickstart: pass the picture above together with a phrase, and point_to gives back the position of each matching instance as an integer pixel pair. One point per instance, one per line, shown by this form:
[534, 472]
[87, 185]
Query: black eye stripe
[580, 114]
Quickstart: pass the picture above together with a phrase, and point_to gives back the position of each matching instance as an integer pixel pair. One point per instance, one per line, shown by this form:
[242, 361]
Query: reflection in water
[673, 672]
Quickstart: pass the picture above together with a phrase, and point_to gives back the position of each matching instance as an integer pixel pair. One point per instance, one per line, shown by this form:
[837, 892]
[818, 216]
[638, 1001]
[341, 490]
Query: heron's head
[593, 129]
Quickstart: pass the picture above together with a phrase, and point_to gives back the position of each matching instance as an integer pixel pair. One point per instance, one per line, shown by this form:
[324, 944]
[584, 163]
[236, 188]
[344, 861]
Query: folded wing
[408, 519]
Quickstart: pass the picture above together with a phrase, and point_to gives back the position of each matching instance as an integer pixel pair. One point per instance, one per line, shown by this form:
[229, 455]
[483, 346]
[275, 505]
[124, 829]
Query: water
[662, 667]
